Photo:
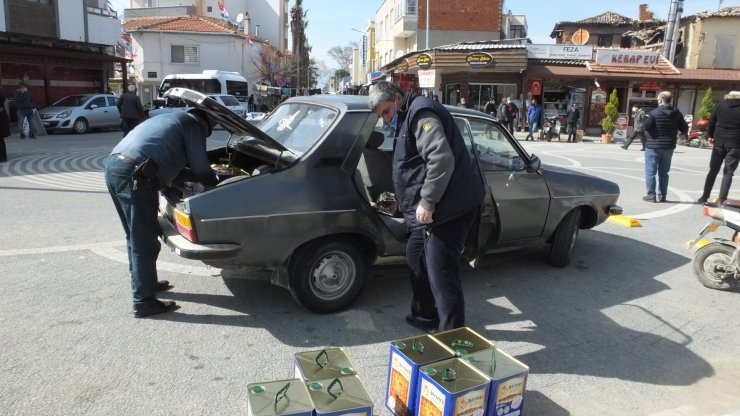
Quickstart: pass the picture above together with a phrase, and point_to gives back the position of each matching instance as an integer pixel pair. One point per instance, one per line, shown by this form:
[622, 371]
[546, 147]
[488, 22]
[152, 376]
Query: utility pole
[427, 42]
[671, 30]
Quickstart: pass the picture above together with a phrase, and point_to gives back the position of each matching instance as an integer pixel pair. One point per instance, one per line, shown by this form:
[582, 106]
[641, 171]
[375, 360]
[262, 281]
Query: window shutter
[191, 54]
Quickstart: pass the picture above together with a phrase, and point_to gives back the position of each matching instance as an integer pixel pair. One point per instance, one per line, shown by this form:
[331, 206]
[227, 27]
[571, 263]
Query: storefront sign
[478, 59]
[624, 57]
[598, 96]
[584, 52]
[426, 78]
[535, 86]
[424, 61]
[649, 86]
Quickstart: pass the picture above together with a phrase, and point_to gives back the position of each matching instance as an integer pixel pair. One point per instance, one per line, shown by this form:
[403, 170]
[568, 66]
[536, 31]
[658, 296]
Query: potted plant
[609, 122]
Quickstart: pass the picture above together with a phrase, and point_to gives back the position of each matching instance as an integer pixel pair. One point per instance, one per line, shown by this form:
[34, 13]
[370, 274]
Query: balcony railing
[406, 8]
[102, 12]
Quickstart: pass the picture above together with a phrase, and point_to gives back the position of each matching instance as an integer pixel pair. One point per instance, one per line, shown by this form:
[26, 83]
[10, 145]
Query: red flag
[220, 5]
[247, 40]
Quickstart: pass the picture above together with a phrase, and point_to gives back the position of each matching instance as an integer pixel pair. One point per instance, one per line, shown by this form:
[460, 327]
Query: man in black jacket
[130, 109]
[572, 117]
[439, 193]
[724, 128]
[662, 128]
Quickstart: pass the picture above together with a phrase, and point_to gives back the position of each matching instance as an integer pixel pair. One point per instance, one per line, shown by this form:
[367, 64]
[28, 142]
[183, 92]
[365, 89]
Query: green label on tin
[347, 371]
[430, 371]
[257, 389]
[400, 345]
[315, 386]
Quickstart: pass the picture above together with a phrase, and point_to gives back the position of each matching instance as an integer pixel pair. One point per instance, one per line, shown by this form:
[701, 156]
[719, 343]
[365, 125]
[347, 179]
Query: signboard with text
[584, 52]
[625, 57]
[426, 78]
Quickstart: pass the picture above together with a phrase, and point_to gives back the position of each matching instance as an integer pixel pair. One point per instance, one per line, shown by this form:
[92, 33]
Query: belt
[125, 159]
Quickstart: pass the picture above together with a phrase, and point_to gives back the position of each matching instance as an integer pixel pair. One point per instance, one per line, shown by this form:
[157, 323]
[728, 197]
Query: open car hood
[223, 116]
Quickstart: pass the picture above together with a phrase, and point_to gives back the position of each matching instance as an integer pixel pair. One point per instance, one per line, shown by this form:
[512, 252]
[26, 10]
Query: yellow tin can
[464, 340]
[406, 357]
[340, 396]
[452, 388]
[279, 398]
[322, 364]
[508, 380]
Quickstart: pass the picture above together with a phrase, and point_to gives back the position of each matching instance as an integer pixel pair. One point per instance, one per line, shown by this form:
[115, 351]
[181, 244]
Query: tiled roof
[197, 24]
[726, 12]
[561, 62]
[609, 18]
[478, 46]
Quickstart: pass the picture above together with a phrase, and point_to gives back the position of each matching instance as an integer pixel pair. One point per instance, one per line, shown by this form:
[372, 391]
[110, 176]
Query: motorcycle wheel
[710, 258]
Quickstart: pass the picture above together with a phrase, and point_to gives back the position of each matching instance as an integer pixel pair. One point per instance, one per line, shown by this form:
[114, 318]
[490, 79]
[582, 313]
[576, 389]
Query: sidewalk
[522, 135]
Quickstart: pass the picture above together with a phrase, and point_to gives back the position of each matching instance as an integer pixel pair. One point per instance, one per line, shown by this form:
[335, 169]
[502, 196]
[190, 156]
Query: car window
[229, 100]
[72, 101]
[111, 101]
[298, 126]
[388, 132]
[495, 151]
[99, 101]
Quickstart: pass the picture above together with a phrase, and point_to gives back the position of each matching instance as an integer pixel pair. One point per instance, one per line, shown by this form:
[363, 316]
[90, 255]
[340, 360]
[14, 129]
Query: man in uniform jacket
[439, 193]
[572, 117]
[662, 128]
[724, 128]
[639, 128]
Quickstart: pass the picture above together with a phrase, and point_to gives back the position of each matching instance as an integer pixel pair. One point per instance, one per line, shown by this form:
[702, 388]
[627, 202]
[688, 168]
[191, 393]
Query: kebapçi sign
[624, 57]
[584, 52]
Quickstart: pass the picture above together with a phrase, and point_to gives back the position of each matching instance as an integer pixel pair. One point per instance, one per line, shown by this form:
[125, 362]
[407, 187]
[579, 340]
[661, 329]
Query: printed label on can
[432, 402]
[510, 397]
[399, 383]
[471, 404]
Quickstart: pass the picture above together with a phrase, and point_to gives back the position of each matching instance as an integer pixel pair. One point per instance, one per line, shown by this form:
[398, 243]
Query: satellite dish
[239, 17]
[580, 37]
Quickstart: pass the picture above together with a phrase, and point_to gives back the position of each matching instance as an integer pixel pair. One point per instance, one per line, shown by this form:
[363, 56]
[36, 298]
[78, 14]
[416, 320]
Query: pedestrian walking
[24, 104]
[130, 109]
[490, 107]
[4, 126]
[640, 116]
[439, 194]
[572, 117]
[724, 128]
[151, 156]
[510, 112]
[662, 127]
[534, 115]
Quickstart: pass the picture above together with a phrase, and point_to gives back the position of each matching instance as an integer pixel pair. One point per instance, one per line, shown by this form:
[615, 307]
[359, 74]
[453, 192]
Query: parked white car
[171, 105]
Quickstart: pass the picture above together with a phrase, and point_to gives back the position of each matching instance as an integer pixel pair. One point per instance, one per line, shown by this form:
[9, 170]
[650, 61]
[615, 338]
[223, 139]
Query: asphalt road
[626, 329]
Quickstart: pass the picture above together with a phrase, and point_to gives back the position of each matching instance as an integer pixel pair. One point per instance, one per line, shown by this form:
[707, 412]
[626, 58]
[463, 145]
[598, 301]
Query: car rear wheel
[327, 275]
[564, 239]
[80, 126]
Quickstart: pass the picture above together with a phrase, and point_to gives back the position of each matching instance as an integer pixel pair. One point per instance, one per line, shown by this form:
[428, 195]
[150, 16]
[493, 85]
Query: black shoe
[642, 150]
[426, 325]
[623, 147]
[661, 198]
[31, 137]
[23, 136]
[163, 285]
[702, 200]
[649, 198]
[154, 307]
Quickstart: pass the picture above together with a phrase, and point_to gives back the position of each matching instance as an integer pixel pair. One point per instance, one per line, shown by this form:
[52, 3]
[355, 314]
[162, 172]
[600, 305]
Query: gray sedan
[79, 113]
[309, 196]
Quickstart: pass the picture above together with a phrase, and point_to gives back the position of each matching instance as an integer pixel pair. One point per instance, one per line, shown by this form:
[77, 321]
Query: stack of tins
[406, 357]
[507, 375]
[453, 373]
[332, 383]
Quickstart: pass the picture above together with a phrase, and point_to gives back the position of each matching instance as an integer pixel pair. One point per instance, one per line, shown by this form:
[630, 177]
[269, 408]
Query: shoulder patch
[426, 127]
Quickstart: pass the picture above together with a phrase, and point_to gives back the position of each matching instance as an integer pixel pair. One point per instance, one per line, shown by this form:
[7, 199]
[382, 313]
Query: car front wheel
[327, 275]
[564, 239]
[80, 126]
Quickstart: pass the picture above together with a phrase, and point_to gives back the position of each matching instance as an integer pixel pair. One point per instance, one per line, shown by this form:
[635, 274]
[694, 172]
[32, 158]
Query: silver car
[81, 112]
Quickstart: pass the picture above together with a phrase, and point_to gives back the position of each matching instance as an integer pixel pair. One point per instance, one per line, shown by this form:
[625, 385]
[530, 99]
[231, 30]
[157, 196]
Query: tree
[301, 60]
[342, 54]
[609, 122]
[707, 105]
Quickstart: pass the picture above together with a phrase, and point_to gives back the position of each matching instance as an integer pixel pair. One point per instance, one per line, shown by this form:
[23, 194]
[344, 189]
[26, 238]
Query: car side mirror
[535, 163]
[93, 106]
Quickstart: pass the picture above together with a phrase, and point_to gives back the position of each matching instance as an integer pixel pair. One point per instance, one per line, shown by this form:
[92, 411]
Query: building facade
[70, 53]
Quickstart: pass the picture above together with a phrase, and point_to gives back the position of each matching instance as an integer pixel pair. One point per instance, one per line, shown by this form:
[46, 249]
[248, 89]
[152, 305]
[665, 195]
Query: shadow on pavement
[570, 316]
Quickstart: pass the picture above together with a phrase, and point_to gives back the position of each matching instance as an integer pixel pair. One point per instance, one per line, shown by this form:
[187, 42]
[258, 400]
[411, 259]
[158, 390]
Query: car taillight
[184, 225]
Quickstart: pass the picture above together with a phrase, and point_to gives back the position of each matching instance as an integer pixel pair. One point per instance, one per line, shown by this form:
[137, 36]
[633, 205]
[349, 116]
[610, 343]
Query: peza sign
[624, 57]
[584, 52]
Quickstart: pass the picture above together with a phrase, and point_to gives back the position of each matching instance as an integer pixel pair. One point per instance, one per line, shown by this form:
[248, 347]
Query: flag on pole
[247, 40]
[220, 6]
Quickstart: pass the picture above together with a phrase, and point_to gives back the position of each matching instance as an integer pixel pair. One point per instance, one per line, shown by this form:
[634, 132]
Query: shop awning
[715, 76]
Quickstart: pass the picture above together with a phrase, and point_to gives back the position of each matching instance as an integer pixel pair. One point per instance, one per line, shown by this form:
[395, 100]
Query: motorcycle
[552, 128]
[697, 137]
[717, 263]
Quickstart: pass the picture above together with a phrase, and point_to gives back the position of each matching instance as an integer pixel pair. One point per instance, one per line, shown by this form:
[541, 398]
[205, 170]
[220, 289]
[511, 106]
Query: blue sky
[330, 22]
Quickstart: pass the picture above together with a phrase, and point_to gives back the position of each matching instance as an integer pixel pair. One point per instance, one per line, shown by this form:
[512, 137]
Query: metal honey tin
[322, 364]
[406, 357]
[508, 381]
[464, 340]
[340, 396]
[452, 388]
[279, 398]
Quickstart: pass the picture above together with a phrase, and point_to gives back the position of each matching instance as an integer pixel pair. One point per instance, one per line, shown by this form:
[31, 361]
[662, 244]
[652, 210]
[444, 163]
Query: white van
[209, 82]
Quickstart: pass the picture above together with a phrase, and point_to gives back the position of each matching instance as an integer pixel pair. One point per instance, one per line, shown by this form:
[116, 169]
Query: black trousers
[129, 124]
[730, 156]
[3, 151]
[572, 127]
[632, 137]
[433, 255]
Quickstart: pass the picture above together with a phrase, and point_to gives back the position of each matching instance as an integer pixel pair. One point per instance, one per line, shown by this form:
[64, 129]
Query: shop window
[604, 40]
[626, 42]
